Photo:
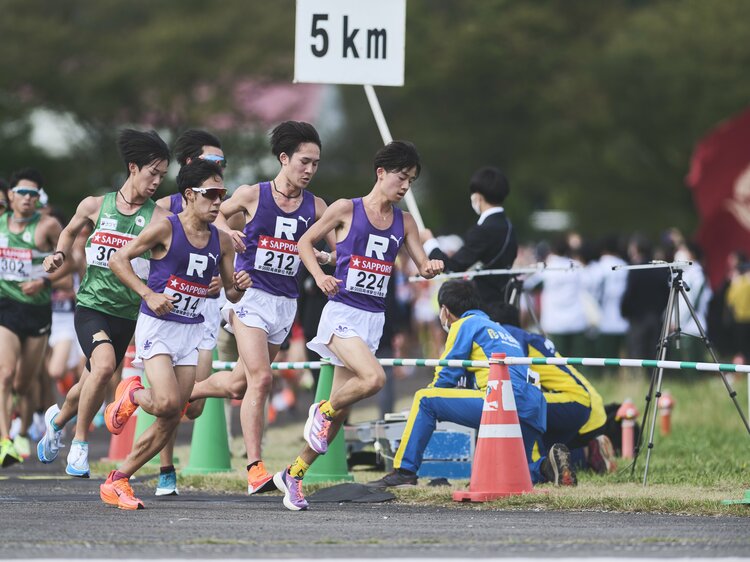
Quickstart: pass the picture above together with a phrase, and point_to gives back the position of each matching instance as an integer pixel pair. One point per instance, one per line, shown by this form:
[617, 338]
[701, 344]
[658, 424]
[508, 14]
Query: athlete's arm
[86, 213]
[50, 229]
[164, 202]
[325, 258]
[244, 200]
[157, 233]
[334, 217]
[235, 282]
[427, 268]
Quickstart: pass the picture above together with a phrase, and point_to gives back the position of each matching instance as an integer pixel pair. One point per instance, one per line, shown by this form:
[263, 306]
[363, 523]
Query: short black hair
[31, 174]
[195, 173]
[190, 144]
[458, 296]
[396, 156]
[141, 148]
[289, 135]
[504, 313]
[491, 183]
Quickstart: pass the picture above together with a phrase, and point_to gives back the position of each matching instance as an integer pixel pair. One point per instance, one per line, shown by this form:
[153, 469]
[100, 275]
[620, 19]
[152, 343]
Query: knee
[167, 407]
[237, 388]
[261, 380]
[373, 382]
[195, 409]
[6, 377]
[102, 371]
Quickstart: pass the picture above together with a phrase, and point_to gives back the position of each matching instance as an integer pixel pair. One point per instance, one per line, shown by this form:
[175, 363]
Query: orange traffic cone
[665, 403]
[500, 467]
[626, 415]
[120, 445]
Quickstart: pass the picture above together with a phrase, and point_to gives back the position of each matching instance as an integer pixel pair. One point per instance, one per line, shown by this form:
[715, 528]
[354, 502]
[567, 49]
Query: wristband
[330, 257]
[59, 252]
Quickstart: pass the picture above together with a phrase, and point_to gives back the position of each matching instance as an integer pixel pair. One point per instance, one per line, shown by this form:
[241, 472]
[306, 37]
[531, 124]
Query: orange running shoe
[119, 493]
[117, 414]
[259, 480]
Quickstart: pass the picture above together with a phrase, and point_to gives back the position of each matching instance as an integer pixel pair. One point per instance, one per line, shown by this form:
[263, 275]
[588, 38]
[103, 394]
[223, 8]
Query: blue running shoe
[49, 445]
[167, 485]
[78, 460]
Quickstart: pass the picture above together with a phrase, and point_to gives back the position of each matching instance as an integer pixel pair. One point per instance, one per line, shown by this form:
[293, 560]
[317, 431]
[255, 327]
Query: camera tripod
[678, 290]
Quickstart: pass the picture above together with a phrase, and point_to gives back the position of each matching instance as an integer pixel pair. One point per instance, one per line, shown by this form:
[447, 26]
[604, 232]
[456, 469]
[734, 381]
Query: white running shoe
[78, 460]
[49, 445]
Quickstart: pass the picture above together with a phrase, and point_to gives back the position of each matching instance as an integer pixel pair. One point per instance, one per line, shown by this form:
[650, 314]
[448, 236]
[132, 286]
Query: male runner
[277, 214]
[184, 250]
[369, 233]
[26, 237]
[105, 311]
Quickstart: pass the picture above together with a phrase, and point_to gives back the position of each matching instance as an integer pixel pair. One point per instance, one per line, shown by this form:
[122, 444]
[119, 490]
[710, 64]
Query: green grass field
[706, 458]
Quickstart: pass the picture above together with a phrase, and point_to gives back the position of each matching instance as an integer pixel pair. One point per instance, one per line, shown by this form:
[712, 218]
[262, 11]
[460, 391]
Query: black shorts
[25, 320]
[89, 322]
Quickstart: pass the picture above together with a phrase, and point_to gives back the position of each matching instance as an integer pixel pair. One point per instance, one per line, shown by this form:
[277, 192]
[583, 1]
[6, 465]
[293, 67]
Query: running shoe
[78, 460]
[119, 493]
[167, 485]
[15, 427]
[259, 480]
[557, 468]
[49, 445]
[36, 429]
[22, 446]
[316, 429]
[117, 414]
[294, 499]
[395, 479]
[8, 453]
[601, 457]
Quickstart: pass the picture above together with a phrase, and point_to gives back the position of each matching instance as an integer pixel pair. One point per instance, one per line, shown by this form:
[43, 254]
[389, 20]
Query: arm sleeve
[457, 346]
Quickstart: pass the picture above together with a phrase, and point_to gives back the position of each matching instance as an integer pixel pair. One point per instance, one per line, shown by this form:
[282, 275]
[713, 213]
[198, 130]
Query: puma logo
[213, 257]
[304, 220]
[396, 240]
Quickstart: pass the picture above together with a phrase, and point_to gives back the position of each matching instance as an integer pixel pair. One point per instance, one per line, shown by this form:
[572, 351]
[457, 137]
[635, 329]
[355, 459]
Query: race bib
[190, 297]
[103, 244]
[277, 255]
[15, 264]
[368, 276]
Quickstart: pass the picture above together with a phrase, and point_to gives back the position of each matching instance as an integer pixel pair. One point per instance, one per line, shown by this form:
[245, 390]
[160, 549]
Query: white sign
[350, 42]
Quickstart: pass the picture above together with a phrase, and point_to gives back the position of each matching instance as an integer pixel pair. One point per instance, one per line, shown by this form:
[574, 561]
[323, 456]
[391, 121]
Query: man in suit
[491, 242]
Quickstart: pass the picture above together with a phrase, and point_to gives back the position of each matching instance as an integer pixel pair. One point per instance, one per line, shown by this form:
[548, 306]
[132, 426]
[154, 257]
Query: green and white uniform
[21, 261]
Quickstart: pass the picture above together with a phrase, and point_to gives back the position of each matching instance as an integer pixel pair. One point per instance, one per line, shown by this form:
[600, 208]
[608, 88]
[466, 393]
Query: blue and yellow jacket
[475, 337]
[561, 383]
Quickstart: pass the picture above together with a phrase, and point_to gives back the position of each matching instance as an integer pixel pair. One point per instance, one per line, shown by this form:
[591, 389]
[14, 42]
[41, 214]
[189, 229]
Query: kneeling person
[184, 250]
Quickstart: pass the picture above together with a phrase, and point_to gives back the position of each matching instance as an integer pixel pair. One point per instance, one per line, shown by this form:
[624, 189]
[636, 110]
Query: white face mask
[444, 323]
[475, 203]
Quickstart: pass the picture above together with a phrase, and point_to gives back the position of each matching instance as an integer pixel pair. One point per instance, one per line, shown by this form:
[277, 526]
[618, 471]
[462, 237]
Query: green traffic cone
[209, 448]
[332, 466]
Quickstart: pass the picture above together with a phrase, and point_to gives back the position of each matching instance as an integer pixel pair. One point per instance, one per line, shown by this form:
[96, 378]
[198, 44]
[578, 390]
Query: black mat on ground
[349, 492]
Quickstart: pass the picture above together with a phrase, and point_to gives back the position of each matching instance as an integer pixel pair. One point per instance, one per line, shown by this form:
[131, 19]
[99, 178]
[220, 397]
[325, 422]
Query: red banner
[720, 179]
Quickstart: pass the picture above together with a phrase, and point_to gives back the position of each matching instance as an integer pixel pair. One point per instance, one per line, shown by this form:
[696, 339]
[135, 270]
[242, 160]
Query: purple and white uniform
[364, 261]
[273, 262]
[183, 273]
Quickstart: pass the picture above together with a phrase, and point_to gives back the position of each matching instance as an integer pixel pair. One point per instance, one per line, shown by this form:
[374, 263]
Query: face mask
[475, 203]
[444, 323]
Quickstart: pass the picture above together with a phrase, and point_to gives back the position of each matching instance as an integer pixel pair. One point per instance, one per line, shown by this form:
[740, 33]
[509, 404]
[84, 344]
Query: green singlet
[101, 289]
[21, 261]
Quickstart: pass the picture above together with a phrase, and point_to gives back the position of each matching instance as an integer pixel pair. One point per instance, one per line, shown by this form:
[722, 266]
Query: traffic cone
[626, 415]
[121, 445]
[209, 446]
[332, 466]
[666, 404]
[500, 467]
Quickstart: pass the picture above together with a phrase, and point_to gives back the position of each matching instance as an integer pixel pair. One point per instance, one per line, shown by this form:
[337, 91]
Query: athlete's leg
[11, 346]
[103, 363]
[58, 359]
[368, 375]
[223, 384]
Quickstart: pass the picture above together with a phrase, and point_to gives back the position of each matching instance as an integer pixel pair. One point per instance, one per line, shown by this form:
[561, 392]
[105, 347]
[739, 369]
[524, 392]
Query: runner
[369, 233]
[189, 146]
[184, 249]
[105, 311]
[278, 213]
[26, 237]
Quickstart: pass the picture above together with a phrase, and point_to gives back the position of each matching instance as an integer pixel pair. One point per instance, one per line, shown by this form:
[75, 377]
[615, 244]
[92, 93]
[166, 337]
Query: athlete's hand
[329, 285]
[159, 303]
[32, 287]
[431, 268]
[242, 280]
[214, 287]
[53, 262]
[237, 240]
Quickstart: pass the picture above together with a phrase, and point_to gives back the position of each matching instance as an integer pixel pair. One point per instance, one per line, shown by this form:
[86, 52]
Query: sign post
[348, 42]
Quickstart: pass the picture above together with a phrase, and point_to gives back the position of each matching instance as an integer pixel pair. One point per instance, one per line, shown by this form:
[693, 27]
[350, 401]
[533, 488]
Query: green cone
[332, 466]
[209, 449]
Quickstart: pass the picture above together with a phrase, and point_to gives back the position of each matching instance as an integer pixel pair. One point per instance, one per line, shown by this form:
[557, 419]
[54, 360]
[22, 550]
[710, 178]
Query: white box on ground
[350, 42]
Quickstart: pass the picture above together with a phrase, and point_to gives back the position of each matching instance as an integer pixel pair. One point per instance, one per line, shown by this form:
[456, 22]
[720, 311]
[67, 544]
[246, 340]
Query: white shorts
[63, 329]
[211, 322]
[271, 313]
[345, 321]
[154, 336]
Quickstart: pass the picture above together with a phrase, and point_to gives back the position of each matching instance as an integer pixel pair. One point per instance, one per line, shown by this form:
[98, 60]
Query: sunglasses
[216, 158]
[24, 191]
[212, 193]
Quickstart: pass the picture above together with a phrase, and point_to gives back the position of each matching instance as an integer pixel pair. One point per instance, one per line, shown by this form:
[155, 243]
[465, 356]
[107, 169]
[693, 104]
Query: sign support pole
[385, 133]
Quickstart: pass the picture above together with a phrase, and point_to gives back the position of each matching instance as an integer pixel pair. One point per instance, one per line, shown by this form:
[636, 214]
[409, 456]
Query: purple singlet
[184, 273]
[364, 260]
[271, 237]
[175, 203]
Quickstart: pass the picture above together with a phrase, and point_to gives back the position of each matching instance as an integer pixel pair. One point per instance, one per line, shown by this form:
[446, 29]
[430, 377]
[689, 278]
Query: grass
[704, 460]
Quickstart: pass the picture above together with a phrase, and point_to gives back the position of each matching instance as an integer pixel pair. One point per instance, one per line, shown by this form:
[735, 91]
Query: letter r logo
[197, 265]
[376, 246]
